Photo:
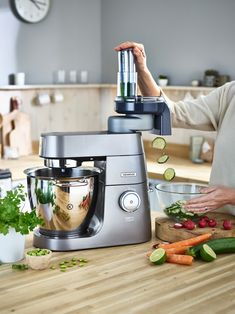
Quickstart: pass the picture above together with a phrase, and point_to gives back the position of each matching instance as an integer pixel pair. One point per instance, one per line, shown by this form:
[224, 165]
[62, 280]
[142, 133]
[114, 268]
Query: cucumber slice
[158, 256]
[169, 174]
[159, 143]
[163, 159]
[207, 254]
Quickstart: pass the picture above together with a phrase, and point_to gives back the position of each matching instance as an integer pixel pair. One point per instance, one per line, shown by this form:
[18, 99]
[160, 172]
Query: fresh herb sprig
[11, 215]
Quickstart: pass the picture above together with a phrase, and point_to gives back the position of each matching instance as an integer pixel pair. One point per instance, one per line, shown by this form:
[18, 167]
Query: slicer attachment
[140, 113]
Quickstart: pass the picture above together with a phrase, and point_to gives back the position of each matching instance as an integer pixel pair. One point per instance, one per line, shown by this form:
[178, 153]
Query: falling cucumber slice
[159, 143]
[163, 159]
[158, 256]
[169, 174]
[207, 254]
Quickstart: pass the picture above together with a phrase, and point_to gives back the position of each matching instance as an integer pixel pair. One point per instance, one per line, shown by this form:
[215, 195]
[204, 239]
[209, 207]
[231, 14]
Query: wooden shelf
[55, 86]
[71, 86]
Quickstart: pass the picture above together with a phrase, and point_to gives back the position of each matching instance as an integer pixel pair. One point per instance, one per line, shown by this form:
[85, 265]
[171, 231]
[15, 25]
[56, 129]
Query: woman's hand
[139, 53]
[147, 84]
[214, 197]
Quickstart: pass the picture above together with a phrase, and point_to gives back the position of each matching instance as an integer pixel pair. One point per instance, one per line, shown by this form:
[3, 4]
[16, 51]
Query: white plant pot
[162, 82]
[12, 246]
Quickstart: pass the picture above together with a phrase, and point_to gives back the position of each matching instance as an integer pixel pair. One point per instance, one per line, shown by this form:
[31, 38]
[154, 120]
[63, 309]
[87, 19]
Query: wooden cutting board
[165, 231]
[20, 136]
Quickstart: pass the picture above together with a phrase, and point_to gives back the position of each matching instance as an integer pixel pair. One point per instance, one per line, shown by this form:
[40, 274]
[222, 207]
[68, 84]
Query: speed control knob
[129, 201]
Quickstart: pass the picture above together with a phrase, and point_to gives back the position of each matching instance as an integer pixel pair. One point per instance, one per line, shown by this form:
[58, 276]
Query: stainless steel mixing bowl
[64, 198]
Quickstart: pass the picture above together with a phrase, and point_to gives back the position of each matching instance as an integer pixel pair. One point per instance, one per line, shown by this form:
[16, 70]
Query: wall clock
[30, 11]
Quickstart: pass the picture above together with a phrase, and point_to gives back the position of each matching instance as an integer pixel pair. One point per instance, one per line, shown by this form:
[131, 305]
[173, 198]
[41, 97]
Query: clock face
[31, 11]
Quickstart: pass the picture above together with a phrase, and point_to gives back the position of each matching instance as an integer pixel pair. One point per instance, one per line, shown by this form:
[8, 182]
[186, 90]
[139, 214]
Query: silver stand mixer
[106, 204]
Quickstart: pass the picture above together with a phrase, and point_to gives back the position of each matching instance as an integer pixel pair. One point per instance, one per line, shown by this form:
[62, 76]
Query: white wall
[69, 38]
[183, 38]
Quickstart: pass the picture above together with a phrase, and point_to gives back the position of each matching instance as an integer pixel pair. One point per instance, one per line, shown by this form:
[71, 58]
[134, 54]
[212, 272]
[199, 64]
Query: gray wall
[64, 40]
[182, 38]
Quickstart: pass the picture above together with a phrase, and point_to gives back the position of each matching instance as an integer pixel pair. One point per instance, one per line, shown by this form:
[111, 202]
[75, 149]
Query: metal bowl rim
[30, 172]
[159, 188]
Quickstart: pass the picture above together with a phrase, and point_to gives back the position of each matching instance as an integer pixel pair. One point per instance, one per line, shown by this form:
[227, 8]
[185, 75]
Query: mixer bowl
[172, 195]
[64, 198]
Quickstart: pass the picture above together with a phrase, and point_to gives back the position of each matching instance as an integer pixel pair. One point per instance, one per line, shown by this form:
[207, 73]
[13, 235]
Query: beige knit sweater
[214, 112]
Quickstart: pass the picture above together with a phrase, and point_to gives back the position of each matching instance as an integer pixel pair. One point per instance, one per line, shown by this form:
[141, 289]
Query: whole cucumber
[219, 246]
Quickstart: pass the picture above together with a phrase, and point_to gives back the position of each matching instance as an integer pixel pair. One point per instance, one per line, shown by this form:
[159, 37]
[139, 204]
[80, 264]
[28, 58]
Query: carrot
[188, 242]
[177, 250]
[179, 259]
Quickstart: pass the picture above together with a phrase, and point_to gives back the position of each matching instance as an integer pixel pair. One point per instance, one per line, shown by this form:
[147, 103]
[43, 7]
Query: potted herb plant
[14, 225]
[162, 80]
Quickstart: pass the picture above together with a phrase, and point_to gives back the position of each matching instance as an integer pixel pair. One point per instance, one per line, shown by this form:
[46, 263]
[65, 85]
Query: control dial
[129, 201]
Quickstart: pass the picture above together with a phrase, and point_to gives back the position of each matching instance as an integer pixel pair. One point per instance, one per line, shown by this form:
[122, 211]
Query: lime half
[163, 159]
[169, 174]
[207, 254]
[159, 143]
[158, 256]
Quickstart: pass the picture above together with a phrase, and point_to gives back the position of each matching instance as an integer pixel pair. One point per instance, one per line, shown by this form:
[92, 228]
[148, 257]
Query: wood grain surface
[120, 280]
[164, 228]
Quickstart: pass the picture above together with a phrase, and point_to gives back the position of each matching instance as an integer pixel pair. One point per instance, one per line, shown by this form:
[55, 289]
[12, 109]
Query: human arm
[214, 197]
[204, 113]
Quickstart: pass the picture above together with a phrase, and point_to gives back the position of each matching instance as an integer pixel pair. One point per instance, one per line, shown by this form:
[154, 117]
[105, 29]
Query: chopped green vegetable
[177, 211]
[20, 266]
[38, 252]
[207, 254]
[158, 256]
[159, 143]
[169, 174]
[163, 159]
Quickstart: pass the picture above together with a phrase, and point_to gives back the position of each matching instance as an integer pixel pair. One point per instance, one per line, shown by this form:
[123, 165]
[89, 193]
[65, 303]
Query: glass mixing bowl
[172, 197]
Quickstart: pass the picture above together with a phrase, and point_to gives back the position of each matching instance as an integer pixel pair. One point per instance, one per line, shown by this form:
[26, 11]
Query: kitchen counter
[185, 169]
[120, 280]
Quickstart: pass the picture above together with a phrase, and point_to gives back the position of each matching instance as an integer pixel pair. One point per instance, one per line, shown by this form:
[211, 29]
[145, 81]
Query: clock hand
[39, 2]
[35, 3]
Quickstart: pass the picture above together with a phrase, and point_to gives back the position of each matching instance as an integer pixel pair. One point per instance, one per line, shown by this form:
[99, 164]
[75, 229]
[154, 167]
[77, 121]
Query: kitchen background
[182, 38]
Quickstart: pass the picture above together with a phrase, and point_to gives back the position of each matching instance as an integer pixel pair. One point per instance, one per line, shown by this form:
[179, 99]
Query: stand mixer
[106, 204]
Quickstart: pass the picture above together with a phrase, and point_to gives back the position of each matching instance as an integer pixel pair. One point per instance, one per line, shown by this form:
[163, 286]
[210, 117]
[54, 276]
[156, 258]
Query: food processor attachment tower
[140, 113]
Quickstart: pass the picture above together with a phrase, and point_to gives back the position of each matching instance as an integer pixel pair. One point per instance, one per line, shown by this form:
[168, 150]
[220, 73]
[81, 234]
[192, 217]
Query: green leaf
[11, 215]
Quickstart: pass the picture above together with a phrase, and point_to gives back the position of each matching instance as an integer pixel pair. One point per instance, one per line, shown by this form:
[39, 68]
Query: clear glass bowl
[172, 196]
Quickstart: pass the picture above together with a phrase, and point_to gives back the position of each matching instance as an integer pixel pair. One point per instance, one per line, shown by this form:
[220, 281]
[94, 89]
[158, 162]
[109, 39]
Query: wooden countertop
[120, 280]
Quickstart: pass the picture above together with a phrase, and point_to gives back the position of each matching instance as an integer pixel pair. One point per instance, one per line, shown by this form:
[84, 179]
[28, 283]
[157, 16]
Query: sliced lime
[159, 143]
[207, 254]
[163, 159]
[158, 256]
[169, 174]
